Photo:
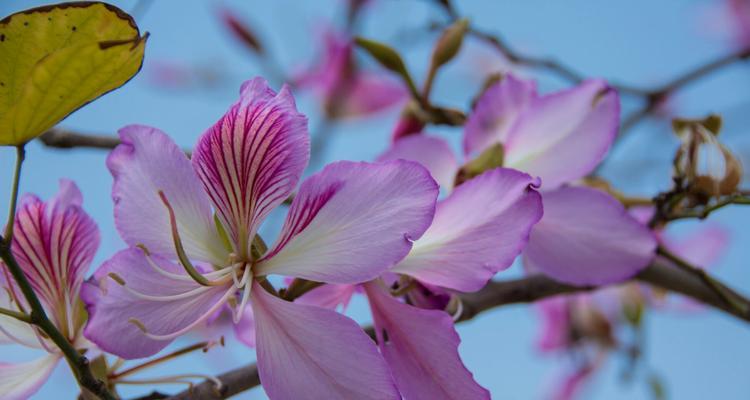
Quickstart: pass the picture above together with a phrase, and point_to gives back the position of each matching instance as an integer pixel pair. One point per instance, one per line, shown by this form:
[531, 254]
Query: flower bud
[449, 43]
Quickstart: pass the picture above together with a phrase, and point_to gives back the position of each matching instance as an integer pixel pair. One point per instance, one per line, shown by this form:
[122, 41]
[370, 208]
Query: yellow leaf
[55, 59]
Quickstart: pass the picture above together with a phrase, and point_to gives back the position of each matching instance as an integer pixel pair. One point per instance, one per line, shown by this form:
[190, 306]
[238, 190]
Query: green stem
[16, 314]
[79, 364]
[20, 156]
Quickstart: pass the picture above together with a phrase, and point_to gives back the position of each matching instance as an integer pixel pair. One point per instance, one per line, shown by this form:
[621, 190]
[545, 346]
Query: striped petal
[586, 237]
[496, 112]
[148, 161]
[137, 304]
[433, 153]
[352, 221]
[54, 243]
[11, 329]
[478, 230]
[307, 352]
[251, 159]
[564, 135]
[421, 348]
[21, 381]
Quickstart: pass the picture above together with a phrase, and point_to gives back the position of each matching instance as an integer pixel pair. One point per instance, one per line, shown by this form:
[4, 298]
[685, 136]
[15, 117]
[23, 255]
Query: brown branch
[66, 139]
[497, 294]
[656, 96]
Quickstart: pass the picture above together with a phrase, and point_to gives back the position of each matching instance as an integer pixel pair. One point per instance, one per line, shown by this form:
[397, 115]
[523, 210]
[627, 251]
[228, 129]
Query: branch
[656, 96]
[66, 139]
[496, 294]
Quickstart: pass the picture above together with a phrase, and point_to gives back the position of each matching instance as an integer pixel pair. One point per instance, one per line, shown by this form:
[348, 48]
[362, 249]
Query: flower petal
[555, 329]
[54, 243]
[244, 330]
[251, 159]
[703, 247]
[352, 221]
[425, 366]
[315, 353]
[586, 237]
[11, 329]
[433, 153]
[20, 381]
[477, 231]
[146, 162]
[564, 135]
[114, 308]
[495, 113]
[329, 296]
[367, 93]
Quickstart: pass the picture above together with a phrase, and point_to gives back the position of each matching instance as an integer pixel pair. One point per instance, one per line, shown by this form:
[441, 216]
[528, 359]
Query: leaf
[58, 58]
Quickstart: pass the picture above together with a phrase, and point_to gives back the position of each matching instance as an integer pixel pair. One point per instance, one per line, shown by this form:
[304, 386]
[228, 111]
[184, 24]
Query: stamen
[181, 255]
[245, 295]
[219, 303]
[455, 303]
[148, 297]
[210, 275]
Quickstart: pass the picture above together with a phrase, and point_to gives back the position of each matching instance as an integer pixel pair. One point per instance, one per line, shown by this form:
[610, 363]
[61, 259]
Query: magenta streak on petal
[54, 243]
[425, 366]
[252, 158]
[301, 213]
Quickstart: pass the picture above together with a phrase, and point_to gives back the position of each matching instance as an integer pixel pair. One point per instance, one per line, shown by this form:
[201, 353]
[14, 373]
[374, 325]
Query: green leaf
[58, 58]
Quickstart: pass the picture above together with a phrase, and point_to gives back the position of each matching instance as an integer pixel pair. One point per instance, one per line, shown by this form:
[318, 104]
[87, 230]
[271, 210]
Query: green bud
[449, 43]
[388, 58]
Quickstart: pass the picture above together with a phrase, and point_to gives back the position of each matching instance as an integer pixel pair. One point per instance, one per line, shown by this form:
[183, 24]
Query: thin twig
[497, 294]
[159, 360]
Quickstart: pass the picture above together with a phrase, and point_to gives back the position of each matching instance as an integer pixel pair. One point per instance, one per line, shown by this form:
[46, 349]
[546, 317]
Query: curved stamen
[181, 255]
[245, 295]
[148, 297]
[186, 329]
[221, 273]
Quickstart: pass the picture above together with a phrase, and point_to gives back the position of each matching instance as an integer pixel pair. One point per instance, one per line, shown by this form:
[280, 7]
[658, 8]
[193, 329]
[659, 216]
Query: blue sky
[641, 43]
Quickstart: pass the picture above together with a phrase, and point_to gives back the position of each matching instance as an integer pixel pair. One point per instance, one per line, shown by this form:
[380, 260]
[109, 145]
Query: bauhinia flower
[478, 230]
[585, 236]
[343, 86]
[54, 243]
[194, 248]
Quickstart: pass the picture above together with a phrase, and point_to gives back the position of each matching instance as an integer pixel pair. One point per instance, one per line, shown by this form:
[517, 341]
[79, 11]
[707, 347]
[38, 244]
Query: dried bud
[707, 166]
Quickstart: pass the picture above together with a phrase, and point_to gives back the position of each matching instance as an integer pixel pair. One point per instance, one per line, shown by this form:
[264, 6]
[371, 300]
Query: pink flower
[192, 230]
[585, 236]
[739, 12]
[54, 243]
[343, 86]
